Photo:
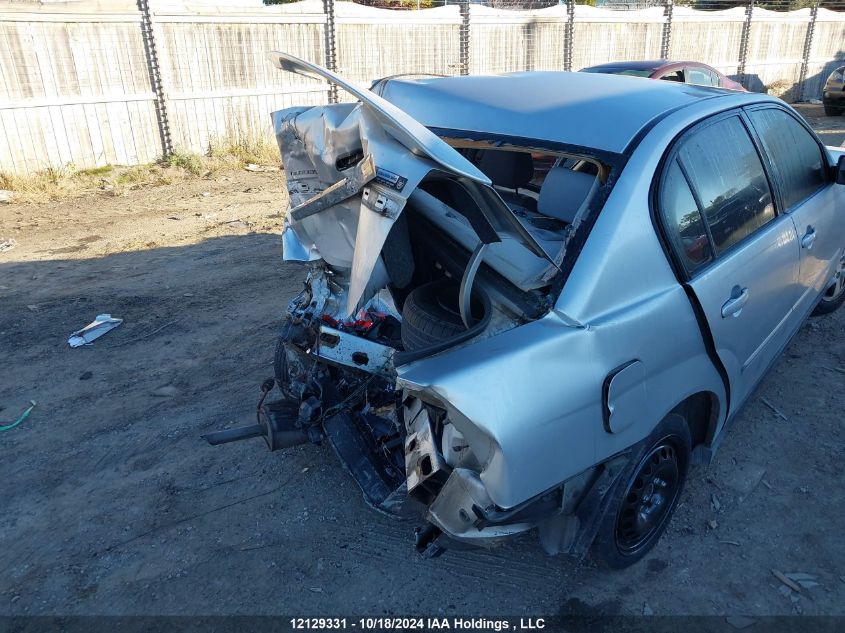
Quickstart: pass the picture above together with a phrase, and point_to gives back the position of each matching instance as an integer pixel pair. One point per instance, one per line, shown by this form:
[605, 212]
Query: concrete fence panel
[827, 51]
[375, 43]
[504, 40]
[712, 37]
[87, 83]
[602, 35]
[776, 51]
[219, 85]
[75, 88]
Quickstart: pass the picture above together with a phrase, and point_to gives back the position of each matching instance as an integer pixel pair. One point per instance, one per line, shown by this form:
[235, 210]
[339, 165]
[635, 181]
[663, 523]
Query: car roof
[652, 65]
[634, 65]
[604, 112]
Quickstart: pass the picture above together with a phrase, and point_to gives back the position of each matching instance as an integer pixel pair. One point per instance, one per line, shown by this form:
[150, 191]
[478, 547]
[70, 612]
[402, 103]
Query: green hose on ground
[22, 417]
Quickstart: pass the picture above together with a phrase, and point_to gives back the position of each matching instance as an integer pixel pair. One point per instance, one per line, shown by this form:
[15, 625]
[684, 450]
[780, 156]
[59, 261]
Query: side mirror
[840, 171]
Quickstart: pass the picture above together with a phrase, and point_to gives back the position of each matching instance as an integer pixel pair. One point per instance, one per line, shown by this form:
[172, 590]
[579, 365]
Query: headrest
[562, 193]
[513, 170]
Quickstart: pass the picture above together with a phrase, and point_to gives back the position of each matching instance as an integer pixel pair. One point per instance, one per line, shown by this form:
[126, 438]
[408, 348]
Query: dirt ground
[112, 504]
[831, 129]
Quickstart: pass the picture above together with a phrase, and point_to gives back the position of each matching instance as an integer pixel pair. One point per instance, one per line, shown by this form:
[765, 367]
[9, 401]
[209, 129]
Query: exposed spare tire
[431, 315]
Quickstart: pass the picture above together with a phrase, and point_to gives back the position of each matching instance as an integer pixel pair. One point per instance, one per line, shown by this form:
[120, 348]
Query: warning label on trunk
[389, 179]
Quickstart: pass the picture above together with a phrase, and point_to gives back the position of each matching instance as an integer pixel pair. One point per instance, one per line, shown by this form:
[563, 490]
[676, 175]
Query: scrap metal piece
[101, 324]
[361, 174]
[354, 351]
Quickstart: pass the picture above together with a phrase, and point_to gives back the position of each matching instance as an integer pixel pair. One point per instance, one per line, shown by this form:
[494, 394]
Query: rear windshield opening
[545, 190]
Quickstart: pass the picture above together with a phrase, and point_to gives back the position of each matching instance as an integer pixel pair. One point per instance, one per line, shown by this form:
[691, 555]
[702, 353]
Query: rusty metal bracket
[353, 351]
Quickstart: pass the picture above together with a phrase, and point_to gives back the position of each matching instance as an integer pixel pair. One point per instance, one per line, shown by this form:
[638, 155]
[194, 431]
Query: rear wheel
[832, 110]
[646, 496]
[834, 296]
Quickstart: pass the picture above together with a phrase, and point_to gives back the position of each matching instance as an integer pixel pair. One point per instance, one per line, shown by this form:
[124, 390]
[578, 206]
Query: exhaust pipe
[277, 424]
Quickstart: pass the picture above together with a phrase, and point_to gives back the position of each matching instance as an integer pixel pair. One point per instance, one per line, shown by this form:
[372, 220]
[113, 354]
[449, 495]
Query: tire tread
[424, 322]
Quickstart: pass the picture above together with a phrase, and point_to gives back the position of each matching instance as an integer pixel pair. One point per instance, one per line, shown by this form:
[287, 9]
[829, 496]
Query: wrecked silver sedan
[534, 300]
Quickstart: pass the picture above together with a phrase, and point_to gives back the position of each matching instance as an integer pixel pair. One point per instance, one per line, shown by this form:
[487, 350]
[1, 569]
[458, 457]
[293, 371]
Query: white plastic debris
[101, 324]
[6, 195]
[7, 245]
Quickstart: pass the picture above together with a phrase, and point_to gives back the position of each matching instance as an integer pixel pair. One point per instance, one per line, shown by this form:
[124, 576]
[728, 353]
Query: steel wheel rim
[648, 499]
[838, 287]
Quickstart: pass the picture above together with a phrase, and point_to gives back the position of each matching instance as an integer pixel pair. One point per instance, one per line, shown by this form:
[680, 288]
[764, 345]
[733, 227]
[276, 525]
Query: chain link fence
[97, 82]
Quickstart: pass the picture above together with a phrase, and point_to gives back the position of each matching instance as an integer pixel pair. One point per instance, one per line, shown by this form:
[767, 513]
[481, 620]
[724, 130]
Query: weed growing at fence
[41, 186]
[243, 151]
[57, 184]
[50, 184]
[191, 163]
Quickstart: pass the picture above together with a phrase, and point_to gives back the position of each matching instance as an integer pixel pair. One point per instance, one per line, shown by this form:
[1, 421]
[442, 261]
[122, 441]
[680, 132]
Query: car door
[799, 165]
[741, 258]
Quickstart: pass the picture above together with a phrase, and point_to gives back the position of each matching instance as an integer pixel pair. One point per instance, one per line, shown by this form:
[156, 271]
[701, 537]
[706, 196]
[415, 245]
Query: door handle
[734, 305]
[809, 238]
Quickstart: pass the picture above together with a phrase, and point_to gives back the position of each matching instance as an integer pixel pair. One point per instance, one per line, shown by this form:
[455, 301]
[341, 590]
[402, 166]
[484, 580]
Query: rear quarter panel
[536, 391]
[624, 288]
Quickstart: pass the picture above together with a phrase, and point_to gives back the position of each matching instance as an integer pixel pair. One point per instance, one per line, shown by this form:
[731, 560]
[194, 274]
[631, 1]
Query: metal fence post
[666, 39]
[808, 47]
[148, 36]
[331, 45]
[569, 33]
[463, 35]
[743, 41]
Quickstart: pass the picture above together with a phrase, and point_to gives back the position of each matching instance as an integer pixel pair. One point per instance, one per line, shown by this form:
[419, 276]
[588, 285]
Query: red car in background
[683, 72]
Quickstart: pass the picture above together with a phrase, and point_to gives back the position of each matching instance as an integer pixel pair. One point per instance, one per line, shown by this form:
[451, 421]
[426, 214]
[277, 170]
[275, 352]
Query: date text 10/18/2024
[405, 624]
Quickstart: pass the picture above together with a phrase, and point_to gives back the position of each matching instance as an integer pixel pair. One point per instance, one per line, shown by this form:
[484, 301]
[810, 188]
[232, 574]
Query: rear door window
[796, 157]
[683, 221]
[700, 77]
[675, 75]
[726, 174]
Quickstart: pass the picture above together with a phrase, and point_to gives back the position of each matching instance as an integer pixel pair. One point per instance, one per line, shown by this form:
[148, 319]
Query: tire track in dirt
[503, 567]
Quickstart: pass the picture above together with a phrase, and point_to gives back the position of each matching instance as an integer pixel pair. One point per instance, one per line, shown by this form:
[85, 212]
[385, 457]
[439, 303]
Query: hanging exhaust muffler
[278, 424]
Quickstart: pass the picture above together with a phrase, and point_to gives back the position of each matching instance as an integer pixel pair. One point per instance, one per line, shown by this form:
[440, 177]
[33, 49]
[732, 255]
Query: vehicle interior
[545, 191]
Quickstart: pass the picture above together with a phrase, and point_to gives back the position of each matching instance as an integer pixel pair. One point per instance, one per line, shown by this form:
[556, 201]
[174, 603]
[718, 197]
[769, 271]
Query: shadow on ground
[113, 505]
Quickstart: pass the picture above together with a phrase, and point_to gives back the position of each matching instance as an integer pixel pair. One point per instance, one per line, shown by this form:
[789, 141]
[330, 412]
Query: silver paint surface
[529, 400]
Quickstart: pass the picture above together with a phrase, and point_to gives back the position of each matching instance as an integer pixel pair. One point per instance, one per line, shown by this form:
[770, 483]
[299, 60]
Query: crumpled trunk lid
[350, 170]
